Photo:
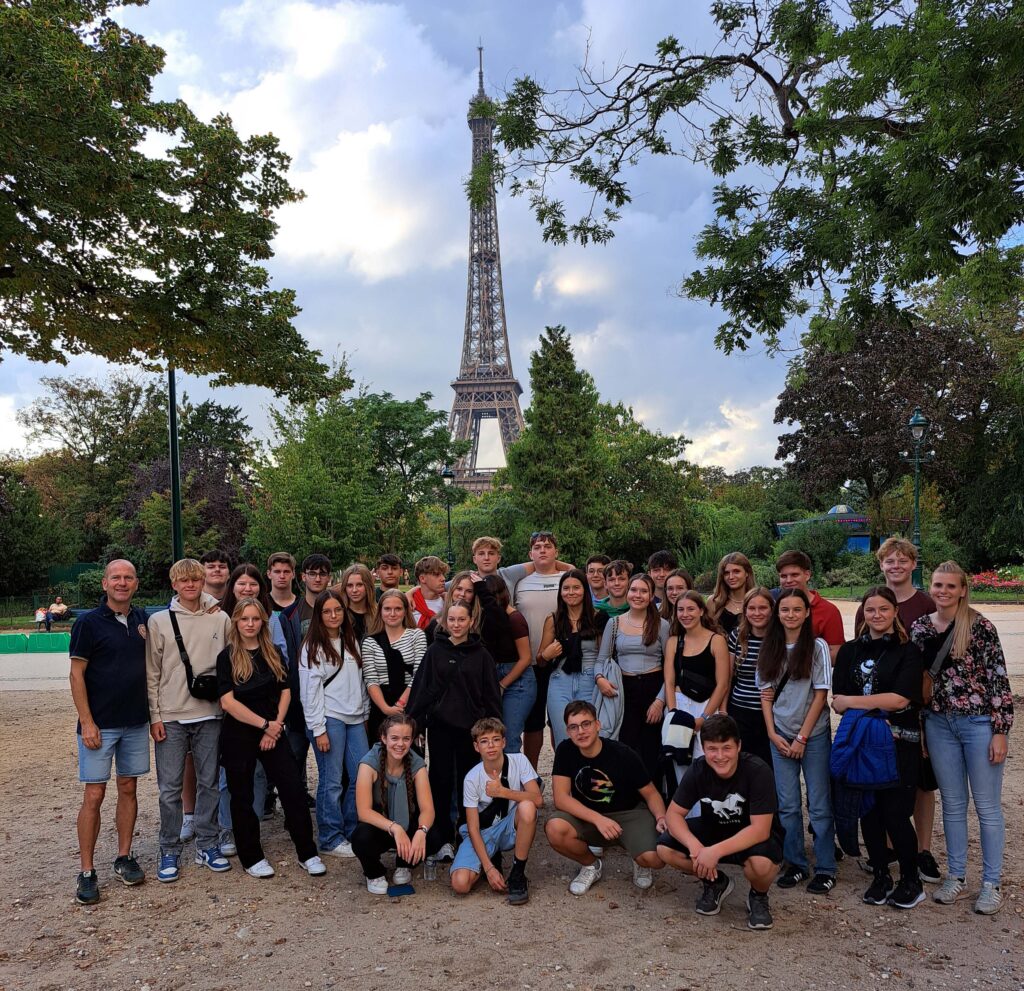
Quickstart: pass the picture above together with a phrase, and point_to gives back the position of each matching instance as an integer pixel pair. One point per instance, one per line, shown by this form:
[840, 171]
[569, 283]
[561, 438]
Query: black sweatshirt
[455, 684]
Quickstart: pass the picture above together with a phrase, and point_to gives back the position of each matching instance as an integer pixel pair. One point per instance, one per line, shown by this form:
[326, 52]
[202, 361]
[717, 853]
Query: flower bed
[1001, 580]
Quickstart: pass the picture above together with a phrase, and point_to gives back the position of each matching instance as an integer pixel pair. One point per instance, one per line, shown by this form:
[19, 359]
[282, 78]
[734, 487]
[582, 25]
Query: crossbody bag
[205, 686]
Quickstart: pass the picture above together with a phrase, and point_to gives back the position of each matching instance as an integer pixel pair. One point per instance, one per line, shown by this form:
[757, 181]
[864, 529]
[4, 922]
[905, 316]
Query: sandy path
[230, 931]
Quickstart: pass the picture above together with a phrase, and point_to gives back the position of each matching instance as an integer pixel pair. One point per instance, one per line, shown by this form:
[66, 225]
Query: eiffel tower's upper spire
[480, 51]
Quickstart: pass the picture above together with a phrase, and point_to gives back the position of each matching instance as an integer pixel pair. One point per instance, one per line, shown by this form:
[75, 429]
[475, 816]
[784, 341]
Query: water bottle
[429, 869]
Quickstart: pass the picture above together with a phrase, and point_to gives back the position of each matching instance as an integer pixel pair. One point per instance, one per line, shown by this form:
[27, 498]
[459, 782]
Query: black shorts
[770, 848]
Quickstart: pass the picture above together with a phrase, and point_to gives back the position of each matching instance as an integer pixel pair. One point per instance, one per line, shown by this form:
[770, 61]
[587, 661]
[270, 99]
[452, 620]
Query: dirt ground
[231, 931]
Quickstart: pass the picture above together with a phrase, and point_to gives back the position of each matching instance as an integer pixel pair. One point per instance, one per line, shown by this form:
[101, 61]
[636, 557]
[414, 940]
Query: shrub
[90, 587]
[821, 540]
[705, 582]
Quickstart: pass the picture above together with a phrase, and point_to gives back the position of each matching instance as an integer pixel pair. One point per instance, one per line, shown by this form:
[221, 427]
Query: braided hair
[399, 719]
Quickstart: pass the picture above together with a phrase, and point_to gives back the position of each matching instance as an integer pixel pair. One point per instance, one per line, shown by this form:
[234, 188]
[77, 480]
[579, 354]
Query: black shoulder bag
[205, 686]
[498, 808]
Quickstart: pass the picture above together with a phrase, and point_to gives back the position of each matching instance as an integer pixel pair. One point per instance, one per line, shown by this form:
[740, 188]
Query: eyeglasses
[579, 727]
[318, 574]
[541, 535]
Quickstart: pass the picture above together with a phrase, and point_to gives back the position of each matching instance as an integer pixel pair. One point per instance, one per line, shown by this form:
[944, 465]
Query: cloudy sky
[370, 100]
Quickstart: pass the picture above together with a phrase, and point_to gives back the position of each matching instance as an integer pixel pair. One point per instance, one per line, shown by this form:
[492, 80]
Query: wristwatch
[266, 725]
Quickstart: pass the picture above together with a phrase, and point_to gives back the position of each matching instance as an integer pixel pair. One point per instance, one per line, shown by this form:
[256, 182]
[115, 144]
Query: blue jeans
[814, 765]
[563, 689]
[516, 702]
[336, 816]
[259, 790]
[959, 750]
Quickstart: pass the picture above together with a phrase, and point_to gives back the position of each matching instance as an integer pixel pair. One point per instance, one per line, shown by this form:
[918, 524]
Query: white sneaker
[585, 879]
[314, 866]
[228, 846]
[447, 852]
[950, 891]
[343, 849]
[260, 869]
[377, 885]
[990, 899]
[402, 875]
[643, 877]
[188, 829]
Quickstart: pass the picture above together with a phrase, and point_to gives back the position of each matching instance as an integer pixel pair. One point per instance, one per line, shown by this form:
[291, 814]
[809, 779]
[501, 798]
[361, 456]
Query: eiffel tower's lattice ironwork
[486, 387]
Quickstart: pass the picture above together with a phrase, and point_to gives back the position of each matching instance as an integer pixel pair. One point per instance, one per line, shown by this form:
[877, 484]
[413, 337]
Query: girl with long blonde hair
[966, 723]
[254, 695]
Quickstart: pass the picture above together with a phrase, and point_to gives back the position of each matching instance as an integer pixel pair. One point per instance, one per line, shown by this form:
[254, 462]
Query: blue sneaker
[214, 859]
[168, 867]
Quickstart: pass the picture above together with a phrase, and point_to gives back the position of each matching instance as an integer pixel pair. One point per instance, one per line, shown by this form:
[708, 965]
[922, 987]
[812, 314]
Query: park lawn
[854, 592]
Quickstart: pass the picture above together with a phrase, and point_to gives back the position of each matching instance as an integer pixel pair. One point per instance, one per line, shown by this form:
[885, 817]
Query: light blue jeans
[959, 750]
[815, 769]
[563, 689]
[336, 814]
[516, 702]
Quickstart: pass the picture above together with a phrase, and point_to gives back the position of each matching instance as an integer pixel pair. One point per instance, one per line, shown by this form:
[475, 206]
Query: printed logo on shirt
[595, 785]
[730, 810]
[867, 675]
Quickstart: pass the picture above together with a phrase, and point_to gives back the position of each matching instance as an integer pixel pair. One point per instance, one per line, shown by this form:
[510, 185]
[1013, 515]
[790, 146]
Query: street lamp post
[177, 537]
[448, 478]
[918, 426]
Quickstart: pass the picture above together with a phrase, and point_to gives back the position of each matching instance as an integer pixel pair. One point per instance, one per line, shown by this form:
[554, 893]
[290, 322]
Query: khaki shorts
[638, 832]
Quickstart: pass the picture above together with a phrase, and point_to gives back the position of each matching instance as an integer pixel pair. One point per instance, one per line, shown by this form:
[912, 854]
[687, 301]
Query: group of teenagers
[685, 729]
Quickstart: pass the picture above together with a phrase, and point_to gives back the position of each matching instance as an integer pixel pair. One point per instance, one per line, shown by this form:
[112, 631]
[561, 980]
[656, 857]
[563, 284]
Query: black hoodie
[455, 684]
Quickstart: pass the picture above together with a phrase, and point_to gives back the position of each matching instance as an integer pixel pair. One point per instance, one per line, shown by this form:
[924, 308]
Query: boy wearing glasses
[603, 795]
[316, 576]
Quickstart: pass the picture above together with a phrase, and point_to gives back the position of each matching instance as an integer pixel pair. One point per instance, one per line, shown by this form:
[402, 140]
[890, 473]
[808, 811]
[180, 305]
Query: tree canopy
[862, 149]
[589, 470]
[140, 256]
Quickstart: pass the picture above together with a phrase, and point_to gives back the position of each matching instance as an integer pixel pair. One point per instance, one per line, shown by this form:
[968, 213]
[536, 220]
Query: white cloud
[180, 61]
[740, 437]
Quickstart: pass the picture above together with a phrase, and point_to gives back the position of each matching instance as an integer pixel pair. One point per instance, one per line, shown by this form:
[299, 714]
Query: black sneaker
[907, 893]
[821, 884]
[759, 912]
[128, 871]
[714, 893]
[791, 877]
[88, 890]
[518, 889]
[880, 889]
[927, 868]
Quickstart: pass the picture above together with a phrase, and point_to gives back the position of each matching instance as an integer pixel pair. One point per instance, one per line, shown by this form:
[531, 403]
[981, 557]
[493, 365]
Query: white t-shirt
[474, 791]
[536, 598]
[435, 605]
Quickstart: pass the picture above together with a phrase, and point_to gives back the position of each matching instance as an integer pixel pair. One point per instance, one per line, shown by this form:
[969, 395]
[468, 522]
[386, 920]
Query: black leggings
[240, 750]
[753, 732]
[452, 757]
[370, 843]
[638, 692]
[890, 816]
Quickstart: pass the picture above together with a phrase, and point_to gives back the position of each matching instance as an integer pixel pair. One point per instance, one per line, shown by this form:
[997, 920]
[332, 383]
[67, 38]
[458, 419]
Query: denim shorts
[500, 835]
[128, 746]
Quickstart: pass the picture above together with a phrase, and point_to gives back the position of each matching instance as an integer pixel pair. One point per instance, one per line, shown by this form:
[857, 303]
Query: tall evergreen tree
[555, 465]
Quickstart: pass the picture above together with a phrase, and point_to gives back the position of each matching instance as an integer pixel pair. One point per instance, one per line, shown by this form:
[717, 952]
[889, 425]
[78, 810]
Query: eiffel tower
[486, 387]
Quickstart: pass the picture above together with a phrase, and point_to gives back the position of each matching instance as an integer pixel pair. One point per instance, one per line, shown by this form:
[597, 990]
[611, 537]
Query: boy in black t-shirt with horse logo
[738, 822]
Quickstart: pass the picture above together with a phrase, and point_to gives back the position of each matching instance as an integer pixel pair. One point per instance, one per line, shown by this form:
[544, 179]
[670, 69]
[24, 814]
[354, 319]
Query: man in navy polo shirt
[108, 685]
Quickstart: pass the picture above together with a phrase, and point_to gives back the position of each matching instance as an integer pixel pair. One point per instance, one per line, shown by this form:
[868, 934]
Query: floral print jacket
[977, 685]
